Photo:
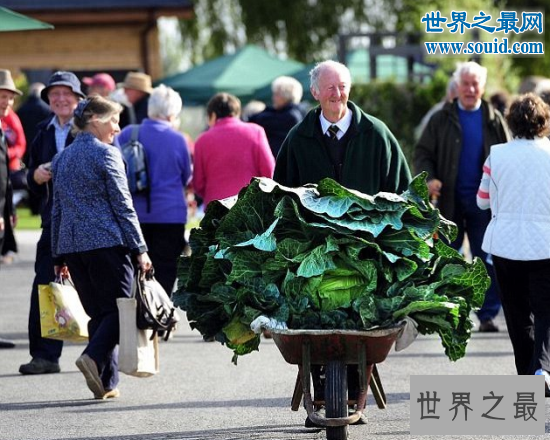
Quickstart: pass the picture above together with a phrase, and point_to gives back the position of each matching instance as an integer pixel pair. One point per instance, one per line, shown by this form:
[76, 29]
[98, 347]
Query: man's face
[470, 91]
[6, 101]
[334, 87]
[63, 102]
[134, 95]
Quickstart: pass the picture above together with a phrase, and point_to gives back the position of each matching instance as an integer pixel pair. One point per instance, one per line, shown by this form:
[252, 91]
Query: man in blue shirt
[452, 149]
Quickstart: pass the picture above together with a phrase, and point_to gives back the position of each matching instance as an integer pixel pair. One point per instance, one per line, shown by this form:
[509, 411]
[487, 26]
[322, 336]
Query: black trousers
[101, 276]
[525, 294]
[165, 242]
[318, 378]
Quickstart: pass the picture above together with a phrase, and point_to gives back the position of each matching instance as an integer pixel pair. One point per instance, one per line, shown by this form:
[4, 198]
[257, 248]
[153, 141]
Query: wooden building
[112, 36]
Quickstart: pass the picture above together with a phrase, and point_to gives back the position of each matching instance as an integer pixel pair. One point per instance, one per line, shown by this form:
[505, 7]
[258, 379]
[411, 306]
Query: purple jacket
[169, 172]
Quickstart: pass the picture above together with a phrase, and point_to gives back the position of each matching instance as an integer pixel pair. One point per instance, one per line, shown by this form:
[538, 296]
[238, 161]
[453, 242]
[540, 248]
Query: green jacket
[439, 147]
[373, 160]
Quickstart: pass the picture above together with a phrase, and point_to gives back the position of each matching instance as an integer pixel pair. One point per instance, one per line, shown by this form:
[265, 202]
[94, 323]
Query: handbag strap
[64, 281]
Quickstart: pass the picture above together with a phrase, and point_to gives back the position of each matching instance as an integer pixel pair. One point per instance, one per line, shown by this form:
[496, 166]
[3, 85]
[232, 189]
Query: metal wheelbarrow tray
[336, 349]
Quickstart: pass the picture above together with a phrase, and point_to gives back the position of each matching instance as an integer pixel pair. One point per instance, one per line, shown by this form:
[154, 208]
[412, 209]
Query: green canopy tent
[240, 74]
[13, 21]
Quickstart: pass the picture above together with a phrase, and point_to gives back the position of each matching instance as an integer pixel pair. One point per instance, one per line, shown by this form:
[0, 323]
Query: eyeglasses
[60, 94]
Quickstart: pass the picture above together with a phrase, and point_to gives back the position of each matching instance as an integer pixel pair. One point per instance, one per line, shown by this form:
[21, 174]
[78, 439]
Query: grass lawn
[28, 221]
[25, 220]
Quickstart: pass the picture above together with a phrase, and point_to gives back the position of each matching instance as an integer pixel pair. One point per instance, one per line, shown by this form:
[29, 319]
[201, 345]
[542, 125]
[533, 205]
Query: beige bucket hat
[6, 82]
[137, 81]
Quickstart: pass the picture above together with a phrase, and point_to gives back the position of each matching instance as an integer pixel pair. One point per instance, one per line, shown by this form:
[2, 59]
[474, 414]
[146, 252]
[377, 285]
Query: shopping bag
[61, 313]
[138, 353]
[155, 309]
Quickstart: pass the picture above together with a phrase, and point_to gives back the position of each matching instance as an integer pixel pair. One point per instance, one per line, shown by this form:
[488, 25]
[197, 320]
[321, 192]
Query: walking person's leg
[513, 281]
[45, 353]
[539, 288]
[101, 276]
[165, 242]
[476, 224]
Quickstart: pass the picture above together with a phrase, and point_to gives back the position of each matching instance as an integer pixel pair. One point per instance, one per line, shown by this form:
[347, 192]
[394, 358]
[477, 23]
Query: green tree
[530, 65]
[305, 30]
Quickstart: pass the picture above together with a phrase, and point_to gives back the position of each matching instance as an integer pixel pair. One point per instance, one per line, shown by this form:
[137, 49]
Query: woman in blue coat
[96, 234]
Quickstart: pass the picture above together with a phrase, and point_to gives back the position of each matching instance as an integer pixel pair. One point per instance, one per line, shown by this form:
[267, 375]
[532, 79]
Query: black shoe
[488, 326]
[4, 343]
[39, 366]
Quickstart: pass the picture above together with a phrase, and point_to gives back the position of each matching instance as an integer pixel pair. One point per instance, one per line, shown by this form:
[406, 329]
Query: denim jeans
[473, 222]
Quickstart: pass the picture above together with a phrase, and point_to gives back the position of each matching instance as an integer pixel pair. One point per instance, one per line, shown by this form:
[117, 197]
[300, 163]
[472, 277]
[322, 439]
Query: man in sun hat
[101, 84]
[7, 97]
[62, 94]
[137, 87]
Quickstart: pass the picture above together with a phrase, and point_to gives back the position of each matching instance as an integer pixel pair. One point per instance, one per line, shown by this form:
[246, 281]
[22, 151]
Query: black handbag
[19, 179]
[155, 309]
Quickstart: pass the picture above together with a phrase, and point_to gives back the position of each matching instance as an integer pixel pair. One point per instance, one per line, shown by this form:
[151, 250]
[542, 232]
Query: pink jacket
[227, 156]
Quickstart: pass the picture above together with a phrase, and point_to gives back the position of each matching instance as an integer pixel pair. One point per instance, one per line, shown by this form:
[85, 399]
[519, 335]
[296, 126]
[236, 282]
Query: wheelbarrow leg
[377, 388]
[298, 391]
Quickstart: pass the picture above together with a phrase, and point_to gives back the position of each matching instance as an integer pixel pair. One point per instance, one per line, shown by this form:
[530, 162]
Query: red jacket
[15, 137]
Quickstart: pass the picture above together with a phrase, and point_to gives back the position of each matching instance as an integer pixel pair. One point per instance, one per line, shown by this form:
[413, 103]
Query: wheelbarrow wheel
[336, 402]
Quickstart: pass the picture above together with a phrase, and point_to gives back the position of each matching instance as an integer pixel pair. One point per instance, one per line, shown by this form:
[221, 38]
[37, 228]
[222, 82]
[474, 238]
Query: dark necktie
[333, 132]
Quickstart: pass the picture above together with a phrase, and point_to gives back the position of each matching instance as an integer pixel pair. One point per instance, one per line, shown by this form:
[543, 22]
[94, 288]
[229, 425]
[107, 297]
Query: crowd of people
[484, 165]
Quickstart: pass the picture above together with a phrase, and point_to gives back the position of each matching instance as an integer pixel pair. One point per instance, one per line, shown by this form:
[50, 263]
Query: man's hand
[43, 173]
[1, 224]
[434, 188]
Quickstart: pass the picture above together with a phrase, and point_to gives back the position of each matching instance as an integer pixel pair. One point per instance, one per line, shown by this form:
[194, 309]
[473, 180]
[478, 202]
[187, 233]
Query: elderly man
[62, 94]
[452, 149]
[340, 141]
[137, 87]
[278, 119]
[7, 97]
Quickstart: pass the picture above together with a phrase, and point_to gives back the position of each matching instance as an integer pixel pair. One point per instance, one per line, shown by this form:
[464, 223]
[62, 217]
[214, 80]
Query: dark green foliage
[325, 257]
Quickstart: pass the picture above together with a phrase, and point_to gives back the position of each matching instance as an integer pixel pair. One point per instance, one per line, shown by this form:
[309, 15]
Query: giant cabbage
[327, 257]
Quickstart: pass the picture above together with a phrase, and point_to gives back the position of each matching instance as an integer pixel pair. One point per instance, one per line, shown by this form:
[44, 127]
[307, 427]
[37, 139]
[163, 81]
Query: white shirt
[343, 124]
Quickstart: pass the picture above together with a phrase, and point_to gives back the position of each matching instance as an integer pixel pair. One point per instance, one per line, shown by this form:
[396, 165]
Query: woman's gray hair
[315, 73]
[164, 103]
[472, 68]
[288, 88]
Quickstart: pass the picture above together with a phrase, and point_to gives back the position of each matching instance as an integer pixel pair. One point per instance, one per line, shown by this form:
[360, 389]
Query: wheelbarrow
[336, 349]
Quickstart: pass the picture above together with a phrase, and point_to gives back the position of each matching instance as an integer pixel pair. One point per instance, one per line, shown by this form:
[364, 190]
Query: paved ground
[199, 394]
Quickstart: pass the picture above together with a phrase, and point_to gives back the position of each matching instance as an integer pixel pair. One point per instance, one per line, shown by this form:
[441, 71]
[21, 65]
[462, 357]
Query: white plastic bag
[137, 354]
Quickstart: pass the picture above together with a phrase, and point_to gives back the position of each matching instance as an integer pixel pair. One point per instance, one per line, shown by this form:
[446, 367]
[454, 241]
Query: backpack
[155, 309]
[137, 167]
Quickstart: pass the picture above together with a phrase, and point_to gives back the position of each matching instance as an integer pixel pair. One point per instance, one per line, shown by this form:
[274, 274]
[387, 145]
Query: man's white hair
[315, 73]
[472, 68]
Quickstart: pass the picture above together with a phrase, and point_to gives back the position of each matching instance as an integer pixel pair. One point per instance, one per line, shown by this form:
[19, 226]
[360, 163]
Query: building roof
[67, 5]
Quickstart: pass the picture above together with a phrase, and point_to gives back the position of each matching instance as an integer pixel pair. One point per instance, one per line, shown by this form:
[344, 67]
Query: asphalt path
[199, 394]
